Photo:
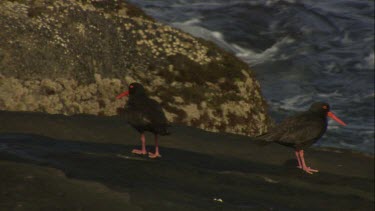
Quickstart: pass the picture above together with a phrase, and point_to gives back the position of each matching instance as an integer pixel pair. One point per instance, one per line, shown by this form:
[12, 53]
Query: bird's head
[325, 109]
[134, 89]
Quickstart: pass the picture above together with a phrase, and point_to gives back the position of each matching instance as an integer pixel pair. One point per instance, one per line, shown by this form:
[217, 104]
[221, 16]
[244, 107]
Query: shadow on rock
[186, 179]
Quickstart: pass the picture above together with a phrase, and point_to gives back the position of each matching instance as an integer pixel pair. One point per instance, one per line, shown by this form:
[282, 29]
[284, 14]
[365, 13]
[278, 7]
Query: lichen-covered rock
[75, 56]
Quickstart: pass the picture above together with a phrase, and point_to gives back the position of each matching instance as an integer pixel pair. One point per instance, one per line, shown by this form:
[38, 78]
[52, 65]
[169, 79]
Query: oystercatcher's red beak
[126, 93]
[334, 117]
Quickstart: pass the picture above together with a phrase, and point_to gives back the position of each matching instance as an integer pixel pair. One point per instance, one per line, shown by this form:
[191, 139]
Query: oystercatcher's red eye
[325, 107]
[131, 86]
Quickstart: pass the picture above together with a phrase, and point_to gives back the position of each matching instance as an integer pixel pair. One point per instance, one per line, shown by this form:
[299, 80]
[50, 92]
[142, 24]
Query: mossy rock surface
[73, 57]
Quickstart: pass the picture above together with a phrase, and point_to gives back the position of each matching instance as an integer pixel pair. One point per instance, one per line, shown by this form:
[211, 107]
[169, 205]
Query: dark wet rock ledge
[82, 162]
[74, 56]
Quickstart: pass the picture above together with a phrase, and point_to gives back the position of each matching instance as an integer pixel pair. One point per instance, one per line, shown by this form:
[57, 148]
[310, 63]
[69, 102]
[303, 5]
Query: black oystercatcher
[302, 130]
[144, 114]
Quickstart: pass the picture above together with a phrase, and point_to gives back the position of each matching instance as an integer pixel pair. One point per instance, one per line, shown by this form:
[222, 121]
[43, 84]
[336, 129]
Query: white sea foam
[370, 60]
[329, 95]
[347, 145]
[367, 62]
[294, 103]
[269, 54]
[251, 57]
[191, 27]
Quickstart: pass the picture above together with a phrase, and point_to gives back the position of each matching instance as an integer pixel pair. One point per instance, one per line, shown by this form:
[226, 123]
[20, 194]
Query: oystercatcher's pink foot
[139, 152]
[303, 163]
[310, 169]
[154, 155]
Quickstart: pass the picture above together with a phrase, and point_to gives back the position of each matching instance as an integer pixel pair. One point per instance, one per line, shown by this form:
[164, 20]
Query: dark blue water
[301, 51]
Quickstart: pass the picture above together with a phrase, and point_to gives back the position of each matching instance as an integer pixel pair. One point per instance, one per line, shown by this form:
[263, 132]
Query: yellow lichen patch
[170, 116]
[156, 98]
[239, 108]
[9, 8]
[81, 29]
[128, 26]
[85, 7]
[164, 40]
[192, 111]
[60, 96]
[178, 99]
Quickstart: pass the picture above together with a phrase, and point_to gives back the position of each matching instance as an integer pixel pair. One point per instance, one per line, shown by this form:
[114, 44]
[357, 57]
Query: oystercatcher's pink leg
[304, 167]
[143, 150]
[298, 159]
[156, 154]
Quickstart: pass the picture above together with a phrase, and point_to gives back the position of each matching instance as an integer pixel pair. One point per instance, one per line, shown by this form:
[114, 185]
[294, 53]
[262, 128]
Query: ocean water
[301, 51]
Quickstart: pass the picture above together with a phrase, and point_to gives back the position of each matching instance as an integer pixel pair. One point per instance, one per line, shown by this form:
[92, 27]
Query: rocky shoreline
[62, 146]
[83, 162]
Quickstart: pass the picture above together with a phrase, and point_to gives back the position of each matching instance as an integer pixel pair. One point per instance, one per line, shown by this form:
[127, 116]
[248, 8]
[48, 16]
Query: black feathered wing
[296, 130]
[146, 114]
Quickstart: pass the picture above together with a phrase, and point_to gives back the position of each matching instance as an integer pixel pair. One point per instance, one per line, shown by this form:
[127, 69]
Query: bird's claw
[310, 170]
[313, 170]
[154, 155]
[139, 152]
